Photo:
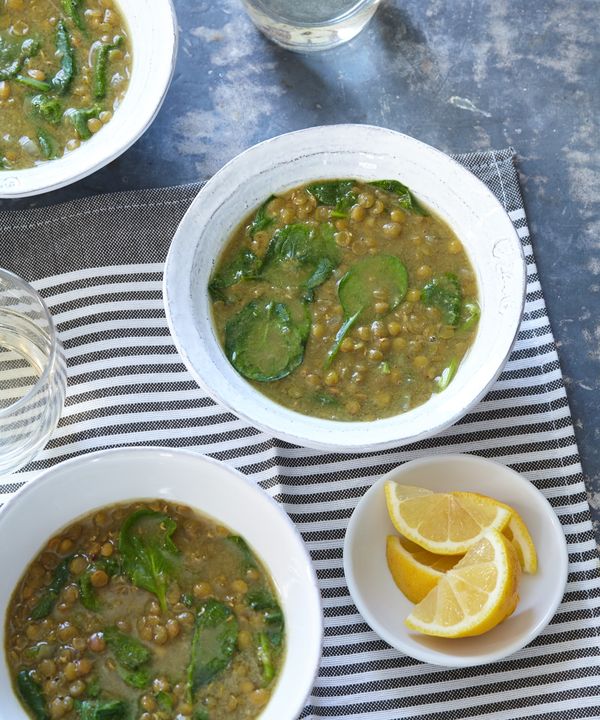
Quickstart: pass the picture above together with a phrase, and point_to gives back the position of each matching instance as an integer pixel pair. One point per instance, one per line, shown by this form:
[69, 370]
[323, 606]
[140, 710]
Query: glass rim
[353, 10]
[54, 340]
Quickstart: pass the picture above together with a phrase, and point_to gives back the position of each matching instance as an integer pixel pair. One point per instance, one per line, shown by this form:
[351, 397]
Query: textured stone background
[461, 75]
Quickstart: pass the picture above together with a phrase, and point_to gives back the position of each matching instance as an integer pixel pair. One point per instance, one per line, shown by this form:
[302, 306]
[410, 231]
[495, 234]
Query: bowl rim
[560, 564]
[57, 176]
[18, 503]
[176, 295]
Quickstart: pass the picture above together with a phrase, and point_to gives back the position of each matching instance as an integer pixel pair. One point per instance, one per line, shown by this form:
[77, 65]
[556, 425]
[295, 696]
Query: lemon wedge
[475, 595]
[415, 570]
[444, 523]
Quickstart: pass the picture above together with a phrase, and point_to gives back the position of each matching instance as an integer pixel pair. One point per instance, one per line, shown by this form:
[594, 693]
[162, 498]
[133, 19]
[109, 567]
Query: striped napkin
[99, 261]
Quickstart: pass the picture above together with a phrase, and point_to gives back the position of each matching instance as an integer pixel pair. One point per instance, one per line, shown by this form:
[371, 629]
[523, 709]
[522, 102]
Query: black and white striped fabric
[98, 262]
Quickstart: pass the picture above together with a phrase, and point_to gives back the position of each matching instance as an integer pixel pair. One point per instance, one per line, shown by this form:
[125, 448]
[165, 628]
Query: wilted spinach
[102, 710]
[213, 643]
[244, 265]
[261, 220]
[355, 291]
[300, 256]
[337, 193]
[46, 603]
[148, 552]
[446, 376]
[445, 294]
[406, 199]
[263, 342]
[129, 652]
[32, 695]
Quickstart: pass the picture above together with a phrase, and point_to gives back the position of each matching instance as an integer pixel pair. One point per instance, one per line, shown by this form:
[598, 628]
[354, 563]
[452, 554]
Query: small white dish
[153, 36]
[366, 153]
[383, 605]
[79, 486]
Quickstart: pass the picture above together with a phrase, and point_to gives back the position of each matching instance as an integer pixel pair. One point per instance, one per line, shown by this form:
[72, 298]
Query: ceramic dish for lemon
[384, 607]
[365, 153]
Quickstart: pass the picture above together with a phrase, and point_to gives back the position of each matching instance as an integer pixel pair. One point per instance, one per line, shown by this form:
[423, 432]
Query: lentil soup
[345, 300]
[147, 611]
[64, 69]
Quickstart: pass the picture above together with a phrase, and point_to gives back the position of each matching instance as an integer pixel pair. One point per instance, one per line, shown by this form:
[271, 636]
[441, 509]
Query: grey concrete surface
[461, 75]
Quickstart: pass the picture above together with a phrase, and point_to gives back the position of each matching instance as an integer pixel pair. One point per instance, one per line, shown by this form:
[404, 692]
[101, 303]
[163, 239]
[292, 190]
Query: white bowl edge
[288, 160]
[293, 572]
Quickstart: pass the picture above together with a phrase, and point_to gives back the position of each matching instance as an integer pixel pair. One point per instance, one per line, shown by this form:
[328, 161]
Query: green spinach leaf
[406, 199]
[64, 49]
[248, 560]
[102, 710]
[470, 315]
[345, 328]
[79, 119]
[447, 375]
[164, 700]
[261, 220]
[265, 657]
[444, 293]
[46, 603]
[148, 552]
[87, 593]
[135, 678]
[72, 9]
[300, 255]
[261, 600]
[337, 193]
[32, 83]
[47, 144]
[326, 399]
[129, 652]
[13, 55]
[213, 643]
[386, 273]
[263, 343]
[245, 265]
[48, 108]
[99, 81]
[32, 695]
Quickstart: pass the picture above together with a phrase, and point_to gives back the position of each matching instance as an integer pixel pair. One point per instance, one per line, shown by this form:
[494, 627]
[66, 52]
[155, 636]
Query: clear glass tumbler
[309, 25]
[33, 377]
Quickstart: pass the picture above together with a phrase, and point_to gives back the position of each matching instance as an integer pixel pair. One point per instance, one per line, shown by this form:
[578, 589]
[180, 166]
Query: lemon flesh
[445, 523]
[415, 570]
[475, 595]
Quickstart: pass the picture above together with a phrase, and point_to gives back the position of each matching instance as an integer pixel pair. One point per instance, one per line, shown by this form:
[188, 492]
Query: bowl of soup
[345, 287]
[79, 83]
[157, 581]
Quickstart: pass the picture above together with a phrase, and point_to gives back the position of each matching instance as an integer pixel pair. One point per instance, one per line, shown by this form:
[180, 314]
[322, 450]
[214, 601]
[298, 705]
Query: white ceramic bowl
[363, 152]
[83, 484]
[383, 605]
[153, 35]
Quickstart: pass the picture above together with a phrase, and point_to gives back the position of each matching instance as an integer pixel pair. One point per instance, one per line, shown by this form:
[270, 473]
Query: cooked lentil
[64, 69]
[380, 255]
[117, 644]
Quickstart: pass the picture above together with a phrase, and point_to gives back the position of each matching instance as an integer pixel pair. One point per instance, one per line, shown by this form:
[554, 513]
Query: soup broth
[148, 611]
[345, 300]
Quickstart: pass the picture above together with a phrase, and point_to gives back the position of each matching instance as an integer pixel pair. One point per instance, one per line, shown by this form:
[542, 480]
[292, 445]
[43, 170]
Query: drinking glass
[33, 377]
[310, 25]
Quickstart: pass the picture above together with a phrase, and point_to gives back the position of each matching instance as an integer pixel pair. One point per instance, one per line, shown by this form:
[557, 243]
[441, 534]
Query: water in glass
[32, 373]
[312, 24]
